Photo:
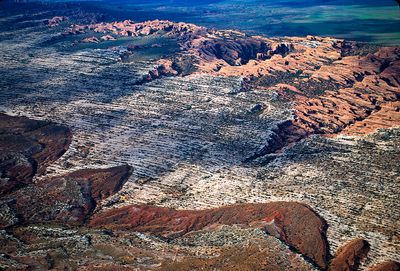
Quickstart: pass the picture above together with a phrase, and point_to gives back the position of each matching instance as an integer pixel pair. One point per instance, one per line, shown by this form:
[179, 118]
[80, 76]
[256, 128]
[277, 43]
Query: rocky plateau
[160, 145]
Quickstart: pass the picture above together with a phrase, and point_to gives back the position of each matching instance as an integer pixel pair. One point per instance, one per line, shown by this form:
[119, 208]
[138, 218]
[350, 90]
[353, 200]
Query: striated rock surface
[294, 223]
[349, 256]
[336, 87]
[257, 254]
[185, 121]
[72, 198]
[27, 147]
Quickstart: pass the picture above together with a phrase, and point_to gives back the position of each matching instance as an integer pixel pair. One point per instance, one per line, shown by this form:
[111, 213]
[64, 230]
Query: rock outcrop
[209, 49]
[71, 199]
[27, 147]
[335, 86]
[294, 223]
[68, 199]
[362, 96]
[91, 40]
[349, 256]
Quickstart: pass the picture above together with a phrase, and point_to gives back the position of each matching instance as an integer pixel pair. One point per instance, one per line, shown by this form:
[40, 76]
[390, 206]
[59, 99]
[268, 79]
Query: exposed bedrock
[206, 46]
[337, 87]
[386, 266]
[294, 223]
[370, 102]
[27, 147]
[260, 254]
[238, 52]
[56, 20]
[67, 199]
[349, 256]
[336, 110]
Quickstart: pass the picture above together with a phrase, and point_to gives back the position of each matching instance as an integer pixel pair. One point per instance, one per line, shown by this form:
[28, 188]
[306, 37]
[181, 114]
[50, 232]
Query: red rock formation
[297, 224]
[373, 88]
[211, 47]
[164, 68]
[102, 182]
[386, 266]
[338, 93]
[130, 28]
[349, 256]
[69, 198]
[27, 147]
[369, 102]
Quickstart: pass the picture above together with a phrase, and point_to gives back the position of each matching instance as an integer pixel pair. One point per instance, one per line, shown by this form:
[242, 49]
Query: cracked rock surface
[159, 145]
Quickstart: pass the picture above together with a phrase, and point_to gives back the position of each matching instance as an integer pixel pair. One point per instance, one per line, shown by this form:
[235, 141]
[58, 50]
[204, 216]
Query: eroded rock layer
[70, 198]
[27, 147]
[184, 106]
[291, 222]
[349, 256]
[334, 88]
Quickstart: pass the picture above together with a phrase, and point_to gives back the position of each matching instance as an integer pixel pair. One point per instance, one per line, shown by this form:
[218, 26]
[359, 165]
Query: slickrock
[107, 37]
[334, 89]
[386, 266]
[294, 223]
[164, 68]
[372, 88]
[186, 138]
[349, 256]
[70, 198]
[27, 147]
